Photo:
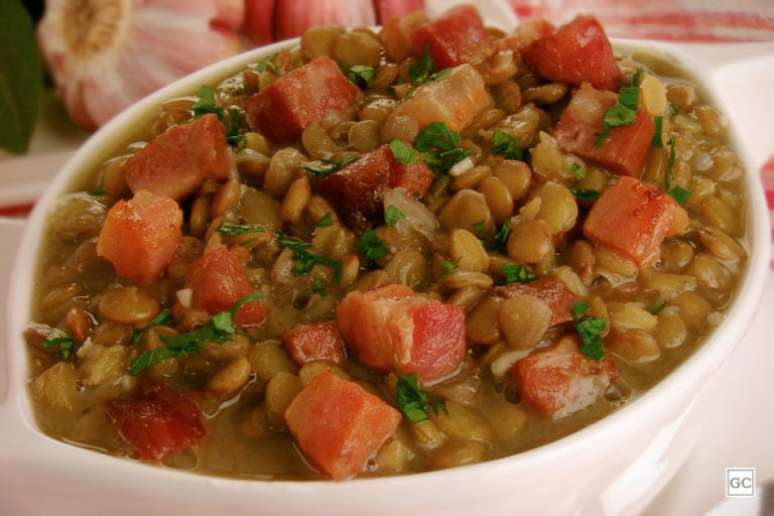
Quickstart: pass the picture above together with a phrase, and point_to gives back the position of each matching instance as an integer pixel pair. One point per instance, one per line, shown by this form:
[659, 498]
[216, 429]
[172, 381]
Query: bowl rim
[701, 362]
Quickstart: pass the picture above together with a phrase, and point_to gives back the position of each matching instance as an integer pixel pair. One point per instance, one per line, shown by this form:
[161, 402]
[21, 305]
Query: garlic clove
[259, 21]
[386, 9]
[106, 54]
[293, 17]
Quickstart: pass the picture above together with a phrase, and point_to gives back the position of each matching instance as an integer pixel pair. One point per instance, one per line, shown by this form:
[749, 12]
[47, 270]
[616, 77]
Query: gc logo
[740, 482]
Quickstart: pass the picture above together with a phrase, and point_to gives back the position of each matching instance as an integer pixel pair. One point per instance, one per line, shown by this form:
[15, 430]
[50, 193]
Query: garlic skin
[106, 54]
[293, 17]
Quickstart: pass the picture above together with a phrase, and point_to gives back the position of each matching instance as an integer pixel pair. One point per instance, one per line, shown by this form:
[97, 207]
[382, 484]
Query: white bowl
[613, 466]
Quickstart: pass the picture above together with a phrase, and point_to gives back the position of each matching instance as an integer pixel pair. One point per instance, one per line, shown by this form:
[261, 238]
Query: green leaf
[586, 195]
[479, 229]
[619, 115]
[223, 321]
[304, 260]
[629, 97]
[623, 112]
[680, 194]
[392, 215]
[371, 246]
[448, 266]
[577, 170]
[164, 317]
[242, 301]
[671, 164]
[403, 152]
[504, 144]
[656, 309]
[21, 77]
[327, 167]
[637, 76]
[62, 340]
[267, 64]
[658, 121]
[579, 309]
[501, 238]
[412, 400]
[590, 332]
[207, 104]
[318, 287]
[361, 75]
[325, 221]
[437, 136]
[673, 109]
[227, 228]
[421, 71]
[233, 136]
[516, 273]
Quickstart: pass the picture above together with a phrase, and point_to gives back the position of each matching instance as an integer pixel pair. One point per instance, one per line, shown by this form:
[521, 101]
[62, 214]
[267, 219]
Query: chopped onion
[184, 296]
[504, 362]
[461, 167]
[417, 216]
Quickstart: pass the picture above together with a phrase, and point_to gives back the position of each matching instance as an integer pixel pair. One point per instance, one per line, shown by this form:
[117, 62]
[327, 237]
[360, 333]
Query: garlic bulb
[293, 17]
[106, 54]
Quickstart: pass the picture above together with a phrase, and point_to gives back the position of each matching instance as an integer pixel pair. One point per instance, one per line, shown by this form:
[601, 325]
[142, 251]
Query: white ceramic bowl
[613, 466]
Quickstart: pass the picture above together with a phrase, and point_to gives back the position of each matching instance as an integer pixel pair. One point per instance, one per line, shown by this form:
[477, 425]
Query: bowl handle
[10, 235]
[743, 79]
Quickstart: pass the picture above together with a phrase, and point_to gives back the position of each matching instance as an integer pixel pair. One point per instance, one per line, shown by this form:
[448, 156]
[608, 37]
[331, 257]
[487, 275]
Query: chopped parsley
[326, 167]
[220, 328]
[392, 215]
[414, 402]
[267, 64]
[206, 104]
[589, 331]
[361, 75]
[233, 136]
[304, 260]
[479, 229]
[586, 195]
[423, 69]
[439, 147]
[503, 144]
[656, 309]
[578, 171]
[448, 266]
[637, 76]
[318, 287]
[371, 246]
[164, 317]
[516, 273]
[229, 229]
[403, 152]
[62, 340]
[671, 164]
[623, 112]
[325, 221]
[673, 109]
[680, 194]
[658, 121]
[500, 239]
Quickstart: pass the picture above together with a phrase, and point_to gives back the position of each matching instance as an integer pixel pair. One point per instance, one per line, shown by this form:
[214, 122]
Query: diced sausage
[315, 341]
[579, 52]
[633, 218]
[140, 236]
[416, 178]
[300, 97]
[339, 425]
[625, 148]
[176, 162]
[218, 280]
[549, 289]
[454, 100]
[394, 328]
[458, 36]
[560, 380]
[156, 421]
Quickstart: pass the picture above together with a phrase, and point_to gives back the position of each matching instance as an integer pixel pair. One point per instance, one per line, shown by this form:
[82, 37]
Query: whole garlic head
[106, 54]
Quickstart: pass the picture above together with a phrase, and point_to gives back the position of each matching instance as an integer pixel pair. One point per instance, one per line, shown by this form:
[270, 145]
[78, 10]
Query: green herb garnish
[680, 194]
[267, 64]
[479, 229]
[586, 195]
[164, 317]
[673, 109]
[516, 273]
[448, 266]
[656, 309]
[62, 340]
[319, 288]
[500, 239]
[361, 75]
[421, 71]
[658, 121]
[439, 147]
[206, 104]
[637, 76]
[414, 402]
[326, 167]
[589, 331]
[229, 229]
[403, 152]
[577, 171]
[392, 215]
[233, 136]
[671, 164]
[503, 144]
[623, 112]
[220, 328]
[304, 260]
[371, 246]
[325, 221]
